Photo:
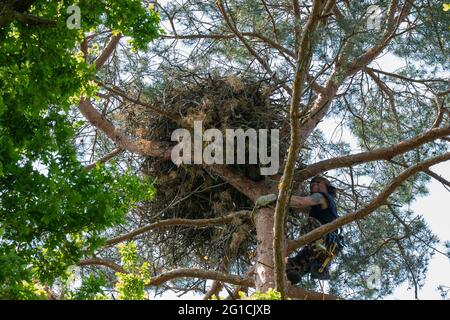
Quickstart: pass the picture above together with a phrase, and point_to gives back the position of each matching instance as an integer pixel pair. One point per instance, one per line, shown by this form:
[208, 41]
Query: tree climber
[315, 258]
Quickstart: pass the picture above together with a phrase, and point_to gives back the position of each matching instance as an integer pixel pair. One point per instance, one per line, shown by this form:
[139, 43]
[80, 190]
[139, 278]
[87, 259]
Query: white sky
[435, 211]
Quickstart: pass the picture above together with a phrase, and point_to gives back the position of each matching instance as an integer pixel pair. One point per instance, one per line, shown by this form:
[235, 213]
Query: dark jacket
[324, 215]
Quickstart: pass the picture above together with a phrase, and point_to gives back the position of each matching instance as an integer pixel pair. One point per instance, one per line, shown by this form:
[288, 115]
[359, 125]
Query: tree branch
[197, 223]
[157, 110]
[285, 186]
[200, 274]
[176, 274]
[232, 27]
[303, 294]
[102, 262]
[160, 279]
[103, 57]
[33, 20]
[405, 78]
[320, 105]
[273, 44]
[11, 10]
[139, 146]
[372, 206]
[428, 172]
[385, 153]
[104, 159]
[236, 240]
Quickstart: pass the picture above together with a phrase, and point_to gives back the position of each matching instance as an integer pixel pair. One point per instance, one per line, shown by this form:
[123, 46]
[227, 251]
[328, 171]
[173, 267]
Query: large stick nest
[190, 191]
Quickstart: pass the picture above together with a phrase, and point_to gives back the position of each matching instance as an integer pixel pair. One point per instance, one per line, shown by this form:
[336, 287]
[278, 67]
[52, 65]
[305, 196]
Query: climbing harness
[315, 258]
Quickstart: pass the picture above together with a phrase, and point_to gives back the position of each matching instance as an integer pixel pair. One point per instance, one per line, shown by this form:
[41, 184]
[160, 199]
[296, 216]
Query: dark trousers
[307, 260]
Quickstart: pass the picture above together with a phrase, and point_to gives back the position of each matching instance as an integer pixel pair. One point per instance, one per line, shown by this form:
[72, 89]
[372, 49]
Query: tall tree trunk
[264, 275]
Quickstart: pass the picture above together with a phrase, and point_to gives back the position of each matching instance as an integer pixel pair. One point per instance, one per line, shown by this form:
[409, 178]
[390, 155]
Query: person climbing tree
[316, 257]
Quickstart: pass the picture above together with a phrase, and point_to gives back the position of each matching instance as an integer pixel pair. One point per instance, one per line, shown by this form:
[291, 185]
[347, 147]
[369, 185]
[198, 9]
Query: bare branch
[394, 75]
[200, 274]
[139, 146]
[272, 20]
[237, 238]
[273, 44]
[176, 274]
[110, 47]
[263, 62]
[196, 223]
[428, 172]
[104, 159]
[102, 262]
[120, 93]
[440, 112]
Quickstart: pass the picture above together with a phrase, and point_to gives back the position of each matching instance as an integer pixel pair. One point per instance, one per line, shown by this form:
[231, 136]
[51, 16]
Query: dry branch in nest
[189, 191]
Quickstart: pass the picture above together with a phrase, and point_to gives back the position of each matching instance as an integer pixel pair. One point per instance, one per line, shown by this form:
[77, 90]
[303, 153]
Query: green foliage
[54, 231]
[270, 294]
[22, 290]
[91, 289]
[431, 40]
[131, 285]
[52, 211]
[132, 19]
